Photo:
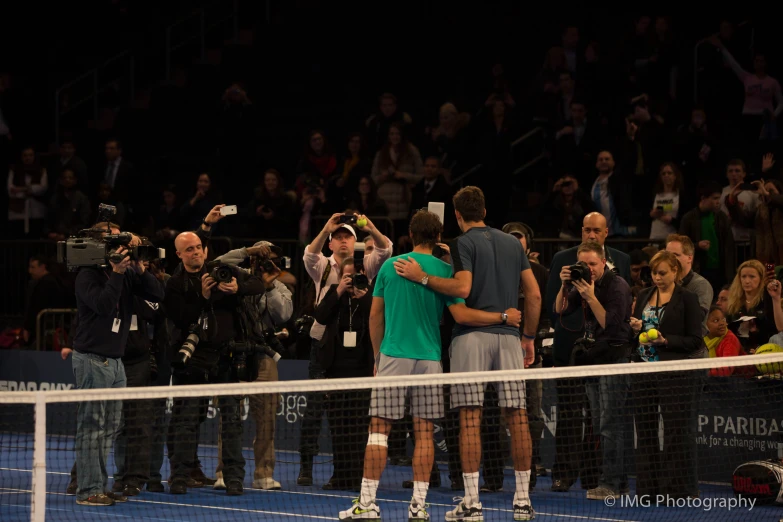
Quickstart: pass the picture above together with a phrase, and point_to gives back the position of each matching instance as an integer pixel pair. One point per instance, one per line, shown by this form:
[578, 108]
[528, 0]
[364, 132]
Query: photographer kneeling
[345, 350]
[606, 301]
[265, 311]
[209, 312]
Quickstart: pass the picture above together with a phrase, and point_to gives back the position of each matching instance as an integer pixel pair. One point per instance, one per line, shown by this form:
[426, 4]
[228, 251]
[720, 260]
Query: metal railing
[698, 70]
[203, 26]
[53, 324]
[91, 84]
[541, 155]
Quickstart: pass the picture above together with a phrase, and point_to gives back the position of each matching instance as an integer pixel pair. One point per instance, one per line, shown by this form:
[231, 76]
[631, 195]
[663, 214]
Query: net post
[38, 507]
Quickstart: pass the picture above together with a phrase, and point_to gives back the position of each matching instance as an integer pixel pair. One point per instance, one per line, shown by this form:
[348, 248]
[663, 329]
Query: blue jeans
[608, 398]
[97, 422]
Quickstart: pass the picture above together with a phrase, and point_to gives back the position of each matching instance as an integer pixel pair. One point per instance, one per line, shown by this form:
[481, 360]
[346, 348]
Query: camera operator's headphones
[521, 229]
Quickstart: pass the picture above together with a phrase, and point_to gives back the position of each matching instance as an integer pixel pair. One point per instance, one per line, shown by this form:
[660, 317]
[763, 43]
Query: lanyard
[350, 315]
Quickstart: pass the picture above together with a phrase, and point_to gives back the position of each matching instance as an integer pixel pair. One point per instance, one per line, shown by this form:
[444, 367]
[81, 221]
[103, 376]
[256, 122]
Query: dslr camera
[188, 347]
[348, 219]
[359, 280]
[220, 272]
[580, 272]
[274, 264]
[97, 247]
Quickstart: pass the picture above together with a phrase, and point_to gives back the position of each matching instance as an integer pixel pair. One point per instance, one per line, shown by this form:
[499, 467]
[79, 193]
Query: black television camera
[580, 272]
[97, 247]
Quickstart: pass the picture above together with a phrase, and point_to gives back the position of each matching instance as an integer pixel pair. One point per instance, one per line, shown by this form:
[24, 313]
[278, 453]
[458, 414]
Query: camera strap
[324, 277]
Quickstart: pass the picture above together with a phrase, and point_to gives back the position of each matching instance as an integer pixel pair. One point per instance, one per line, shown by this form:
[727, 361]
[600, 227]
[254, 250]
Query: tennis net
[684, 440]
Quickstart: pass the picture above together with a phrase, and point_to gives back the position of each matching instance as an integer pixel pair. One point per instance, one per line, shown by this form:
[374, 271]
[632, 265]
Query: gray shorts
[484, 352]
[426, 401]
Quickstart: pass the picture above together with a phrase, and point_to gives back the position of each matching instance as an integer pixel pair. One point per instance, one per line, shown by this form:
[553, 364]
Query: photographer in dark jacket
[606, 302]
[194, 300]
[345, 311]
[105, 303]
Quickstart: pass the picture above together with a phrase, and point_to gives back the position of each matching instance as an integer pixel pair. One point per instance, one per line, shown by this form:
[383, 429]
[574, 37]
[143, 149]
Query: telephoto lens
[186, 350]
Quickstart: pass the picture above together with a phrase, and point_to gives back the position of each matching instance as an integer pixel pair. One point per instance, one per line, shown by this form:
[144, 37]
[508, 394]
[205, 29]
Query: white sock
[471, 481]
[420, 492]
[369, 488]
[522, 496]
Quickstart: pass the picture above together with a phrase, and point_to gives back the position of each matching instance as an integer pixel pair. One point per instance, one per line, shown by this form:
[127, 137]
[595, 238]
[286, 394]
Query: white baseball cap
[349, 227]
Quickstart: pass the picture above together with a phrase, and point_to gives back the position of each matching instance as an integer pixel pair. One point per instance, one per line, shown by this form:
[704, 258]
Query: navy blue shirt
[496, 260]
[615, 297]
[102, 296]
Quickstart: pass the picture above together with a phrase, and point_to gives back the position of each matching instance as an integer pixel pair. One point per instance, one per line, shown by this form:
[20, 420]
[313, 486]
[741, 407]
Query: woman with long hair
[754, 311]
[397, 167]
[667, 205]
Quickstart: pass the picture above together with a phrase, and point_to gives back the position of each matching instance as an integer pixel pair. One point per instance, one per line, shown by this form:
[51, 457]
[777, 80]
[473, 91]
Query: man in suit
[571, 392]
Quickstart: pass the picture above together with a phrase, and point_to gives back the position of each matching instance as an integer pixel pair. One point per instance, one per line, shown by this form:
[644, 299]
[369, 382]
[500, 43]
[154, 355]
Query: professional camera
[188, 347]
[580, 355]
[580, 272]
[97, 247]
[275, 264]
[220, 272]
[303, 324]
[359, 280]
[239, 353]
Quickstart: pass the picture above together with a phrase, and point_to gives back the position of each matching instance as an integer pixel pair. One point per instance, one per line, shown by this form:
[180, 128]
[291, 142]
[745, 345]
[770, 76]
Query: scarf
[712, 344]
[349, 165]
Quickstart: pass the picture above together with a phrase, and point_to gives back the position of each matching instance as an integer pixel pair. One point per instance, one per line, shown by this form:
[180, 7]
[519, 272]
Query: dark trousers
[576, 446]
[133, 445]
[159, 439]
[314, 410]
[348, 423]
[672, 471]
[186, 418]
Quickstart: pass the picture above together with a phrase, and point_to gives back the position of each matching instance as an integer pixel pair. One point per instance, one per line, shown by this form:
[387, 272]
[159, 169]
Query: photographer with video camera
[339, 231]
[265, 312]
[105, 314]
[605, 299]
[205, 303]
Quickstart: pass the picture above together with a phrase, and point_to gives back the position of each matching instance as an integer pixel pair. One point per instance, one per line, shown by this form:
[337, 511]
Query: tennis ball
[361, 222]
[771, 367]
[643, 338]
[652, 334]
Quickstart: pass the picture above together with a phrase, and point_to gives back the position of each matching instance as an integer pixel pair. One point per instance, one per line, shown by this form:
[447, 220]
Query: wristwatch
[425, 280]
[504, 317]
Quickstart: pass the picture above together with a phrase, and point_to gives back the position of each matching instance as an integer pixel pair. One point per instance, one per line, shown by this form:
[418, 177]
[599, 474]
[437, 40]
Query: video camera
[97, 247]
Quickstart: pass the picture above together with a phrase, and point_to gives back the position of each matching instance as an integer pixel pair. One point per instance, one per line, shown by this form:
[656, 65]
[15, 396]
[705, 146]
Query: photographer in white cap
[324, 272]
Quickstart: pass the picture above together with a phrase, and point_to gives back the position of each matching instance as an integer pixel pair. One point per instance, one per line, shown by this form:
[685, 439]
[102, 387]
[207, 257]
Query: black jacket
[680, 324]
[337, 360]
[103, 296]
[185, 306]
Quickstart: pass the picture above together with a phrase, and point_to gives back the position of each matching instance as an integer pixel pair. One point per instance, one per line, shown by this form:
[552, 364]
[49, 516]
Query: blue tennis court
[312, 503]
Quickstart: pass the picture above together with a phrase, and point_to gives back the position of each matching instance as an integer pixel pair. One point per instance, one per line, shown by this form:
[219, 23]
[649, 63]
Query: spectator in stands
[578, 141]
[756, 300]
[397, 167]
[44, 291]
[744, 201]
[69, 208]
[720, 341]
[723, 299]
[317, 164]
[434, 187]
[611, 195]
[27, 184]
[273, 209]
[68, 160]
[203, 200]
[694, 146]
[710, 231]
[450, 139]
[355, 164]
[168, 222]
[669, 203]
[766, 220]
[564, 209]
[494, 134]
[366, 200]
[682, 247]
[119, 173]
[763, 97]
[379, 124]
[644, 147]
[676, 314]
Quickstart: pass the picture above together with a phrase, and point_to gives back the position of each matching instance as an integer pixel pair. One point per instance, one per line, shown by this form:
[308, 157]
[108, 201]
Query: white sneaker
[361, 512]
[266, 484]
[474, 513]
[219, 484]
[417, 512]
[524, 511]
